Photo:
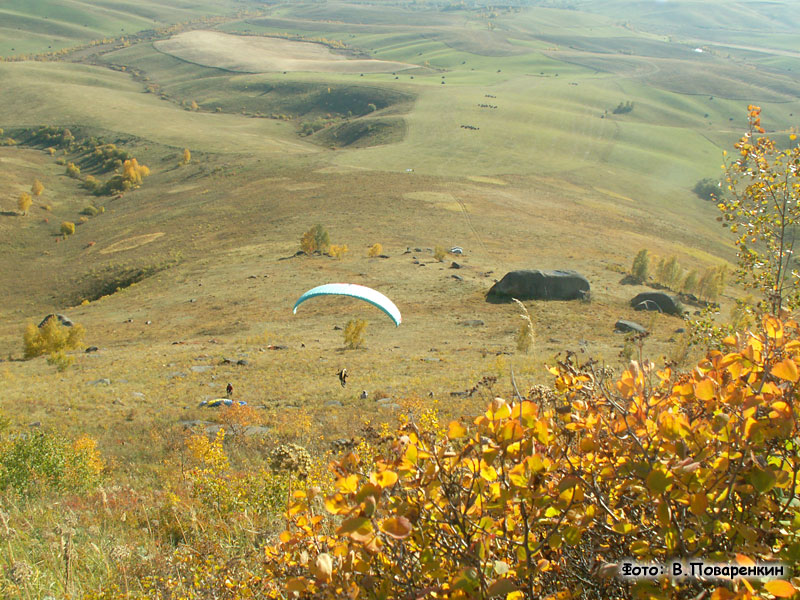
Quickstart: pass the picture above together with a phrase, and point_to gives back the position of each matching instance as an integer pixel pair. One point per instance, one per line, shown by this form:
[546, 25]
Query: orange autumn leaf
[704, 390]
[780, 588]
[786, 369]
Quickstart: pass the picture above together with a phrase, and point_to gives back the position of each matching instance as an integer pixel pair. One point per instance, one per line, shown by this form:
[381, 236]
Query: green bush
[640, 270]
[31, 463]
[316, 238]
[707, 189]
[73, 171]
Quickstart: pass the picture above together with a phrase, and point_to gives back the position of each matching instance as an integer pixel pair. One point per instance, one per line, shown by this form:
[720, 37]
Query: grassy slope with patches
[551, 179]
[33, 27]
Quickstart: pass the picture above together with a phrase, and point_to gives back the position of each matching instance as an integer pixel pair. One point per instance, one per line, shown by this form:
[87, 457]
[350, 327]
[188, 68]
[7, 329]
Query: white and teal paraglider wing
[361, 292]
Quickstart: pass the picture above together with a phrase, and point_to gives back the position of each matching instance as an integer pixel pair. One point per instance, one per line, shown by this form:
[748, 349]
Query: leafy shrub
[640, 270]
[24, 202]
[37, 188]
[92, 184]
[60, 360]
[668, 272]
[439, 253]
[222, 489]
[623, 108]
[32, 463]
[708, 189]
[712, 283]
[90, 210]
[51, 338]
[315, 239]
[73, 171]
[375, 250]
[338, 251]
[67, 228]
[354, 333]
[519, 503]
[689, 285]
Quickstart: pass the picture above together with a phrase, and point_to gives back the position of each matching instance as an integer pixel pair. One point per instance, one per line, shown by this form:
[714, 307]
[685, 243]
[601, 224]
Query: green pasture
[45, 25]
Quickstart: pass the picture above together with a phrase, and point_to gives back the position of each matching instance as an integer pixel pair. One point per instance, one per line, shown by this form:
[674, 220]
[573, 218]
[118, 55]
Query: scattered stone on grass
[624, 326]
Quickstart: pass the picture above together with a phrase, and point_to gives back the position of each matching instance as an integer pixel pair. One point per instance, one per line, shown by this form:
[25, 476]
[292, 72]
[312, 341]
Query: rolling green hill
[48, 25]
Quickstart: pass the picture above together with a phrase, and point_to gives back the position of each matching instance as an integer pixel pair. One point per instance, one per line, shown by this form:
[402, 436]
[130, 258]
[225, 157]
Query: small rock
[457, 277]
[680, 330]
[626, 326]
[147, 322]
[228, 361]
[337, 328]
[416, 262]
[137, 394]
[431, 359]
[91, 349]
[383, 401]
[383, 256]
[275, 347]
[252, 277]
[192, 300]
[333, 403]
[201, 368]
[455, 265]
[176, 375]
[35, 424]
[363, 395]
[242, 362]
[103, 381]
[473, 323]
[417, 249]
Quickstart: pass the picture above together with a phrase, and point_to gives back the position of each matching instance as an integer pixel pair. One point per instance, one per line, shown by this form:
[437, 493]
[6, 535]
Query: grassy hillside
[49, 25]
[532, 138]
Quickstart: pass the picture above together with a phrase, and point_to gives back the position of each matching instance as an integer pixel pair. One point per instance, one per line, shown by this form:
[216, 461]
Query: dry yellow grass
[250, 54]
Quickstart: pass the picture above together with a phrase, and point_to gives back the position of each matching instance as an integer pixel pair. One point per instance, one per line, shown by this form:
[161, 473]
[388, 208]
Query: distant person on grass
[229, 390]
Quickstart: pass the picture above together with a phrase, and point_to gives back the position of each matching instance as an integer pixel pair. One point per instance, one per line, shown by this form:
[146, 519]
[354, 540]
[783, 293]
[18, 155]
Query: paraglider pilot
[229, 390]
[343, 377]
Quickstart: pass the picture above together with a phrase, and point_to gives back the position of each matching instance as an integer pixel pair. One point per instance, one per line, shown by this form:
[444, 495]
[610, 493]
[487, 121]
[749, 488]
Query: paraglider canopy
[356, 291]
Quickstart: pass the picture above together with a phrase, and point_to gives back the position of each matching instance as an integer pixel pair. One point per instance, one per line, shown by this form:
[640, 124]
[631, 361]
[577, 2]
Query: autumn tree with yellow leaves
[762, 211]
[24, 202]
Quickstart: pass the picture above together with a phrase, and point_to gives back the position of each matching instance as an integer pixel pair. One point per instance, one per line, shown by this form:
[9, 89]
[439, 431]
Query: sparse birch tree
[763, 210]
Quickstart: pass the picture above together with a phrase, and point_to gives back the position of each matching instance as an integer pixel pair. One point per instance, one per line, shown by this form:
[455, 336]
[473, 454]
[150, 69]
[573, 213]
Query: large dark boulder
[65, 321]
[539, 285]
[660, 301]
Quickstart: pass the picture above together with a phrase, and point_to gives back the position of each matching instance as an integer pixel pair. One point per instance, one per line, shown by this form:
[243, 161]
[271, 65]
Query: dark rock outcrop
[539, 285]
[659, 301]
[65, 321]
